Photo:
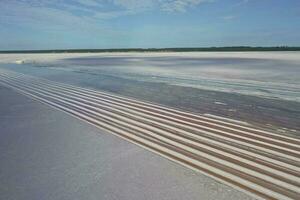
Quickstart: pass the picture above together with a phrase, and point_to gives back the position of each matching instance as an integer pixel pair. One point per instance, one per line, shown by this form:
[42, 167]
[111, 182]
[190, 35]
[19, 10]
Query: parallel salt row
[279, 143]
[162, 109]
[199, 118]
[251, 170]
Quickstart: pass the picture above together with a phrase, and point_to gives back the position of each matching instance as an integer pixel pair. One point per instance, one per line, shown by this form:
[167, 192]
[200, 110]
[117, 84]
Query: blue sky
[59, 24]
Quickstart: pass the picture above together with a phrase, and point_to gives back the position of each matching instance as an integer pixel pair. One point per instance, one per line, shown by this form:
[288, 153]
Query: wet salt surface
[259, 87]
[47, 154]
[267, 74]
[266, 77]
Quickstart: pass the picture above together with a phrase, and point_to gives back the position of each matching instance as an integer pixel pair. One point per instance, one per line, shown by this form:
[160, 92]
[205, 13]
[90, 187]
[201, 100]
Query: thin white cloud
[135, 4]
[229, 17]
[90, 2]
[57, 14]
[180, 5]
[43, 16]
[104, 8]
[242, 2]
[163, 5]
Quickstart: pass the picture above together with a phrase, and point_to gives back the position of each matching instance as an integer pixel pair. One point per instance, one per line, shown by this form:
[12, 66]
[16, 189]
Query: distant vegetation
[205, 49]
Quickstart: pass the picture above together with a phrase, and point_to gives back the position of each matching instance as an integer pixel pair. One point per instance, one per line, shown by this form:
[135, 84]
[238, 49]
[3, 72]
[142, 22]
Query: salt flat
[261, 163]
[222, 86]
[267, 74]
[47, 154]
[237, 85]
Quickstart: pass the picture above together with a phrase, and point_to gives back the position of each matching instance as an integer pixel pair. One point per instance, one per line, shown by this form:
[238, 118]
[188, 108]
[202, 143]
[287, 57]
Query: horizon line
[153, 49]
